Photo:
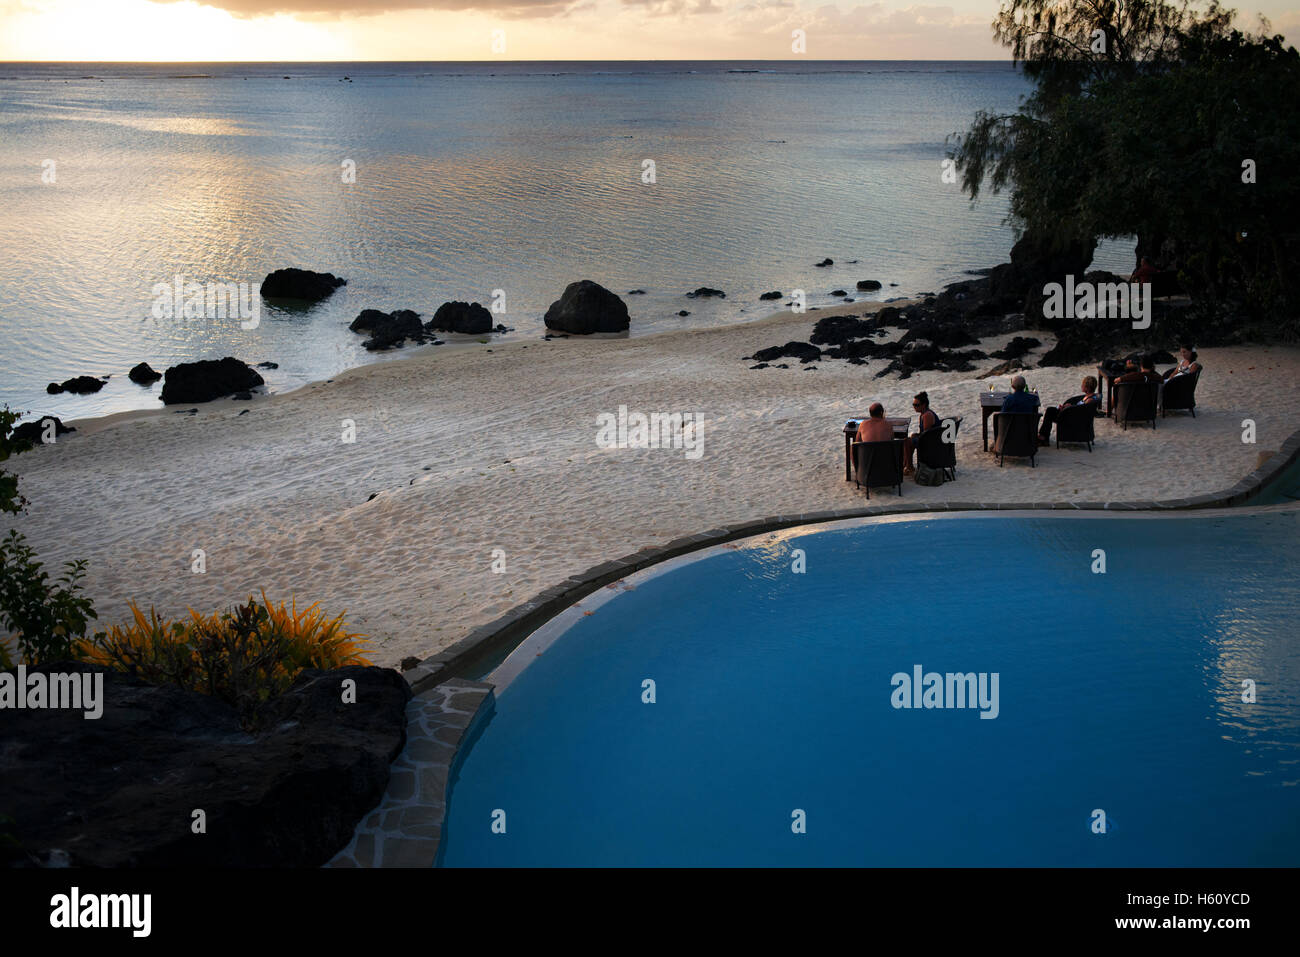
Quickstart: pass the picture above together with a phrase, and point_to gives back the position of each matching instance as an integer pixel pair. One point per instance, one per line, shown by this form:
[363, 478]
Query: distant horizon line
[566, 60]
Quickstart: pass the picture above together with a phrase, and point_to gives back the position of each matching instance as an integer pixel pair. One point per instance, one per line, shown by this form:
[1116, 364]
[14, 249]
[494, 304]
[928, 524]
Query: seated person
[928, 420]
[1187, 363]
[1020, 400]
[874, 428]
[1089, 397]
[1147, 373]
[1145, 272]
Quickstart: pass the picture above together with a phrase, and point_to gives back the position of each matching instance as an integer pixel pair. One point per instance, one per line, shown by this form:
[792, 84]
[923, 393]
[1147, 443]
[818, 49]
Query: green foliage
[47, 618]
[10, 500]
[1145, 134]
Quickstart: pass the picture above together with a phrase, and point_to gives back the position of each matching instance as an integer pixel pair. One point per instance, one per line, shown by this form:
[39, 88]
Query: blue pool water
[1119, 692]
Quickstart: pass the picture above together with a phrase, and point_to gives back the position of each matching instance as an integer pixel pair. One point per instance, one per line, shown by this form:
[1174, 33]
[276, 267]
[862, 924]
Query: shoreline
[92, 424]
[460, 456]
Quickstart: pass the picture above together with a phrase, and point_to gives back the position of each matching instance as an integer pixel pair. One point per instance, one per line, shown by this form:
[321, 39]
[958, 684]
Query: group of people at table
[876, 428]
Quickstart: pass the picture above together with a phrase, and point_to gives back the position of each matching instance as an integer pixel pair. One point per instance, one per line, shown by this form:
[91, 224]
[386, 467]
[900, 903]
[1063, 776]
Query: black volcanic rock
[34, 430]
[802, 351]
[465, 317]
[1017, 348]
[207, 379]
[388, 329]
[868, 285]
[119, 791]
[839, 292]
[771, 295]
[836, 330]
[143, 374]
[300, 284]
[586, 307]
[78, 385]
[705, 292]
[825, 262]
[1037, 260]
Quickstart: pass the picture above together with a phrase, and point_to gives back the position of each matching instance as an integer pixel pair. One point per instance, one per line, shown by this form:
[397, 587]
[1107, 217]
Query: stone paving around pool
[406, 828]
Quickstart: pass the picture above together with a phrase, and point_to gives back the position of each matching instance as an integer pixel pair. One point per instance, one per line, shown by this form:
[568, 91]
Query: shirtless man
[874, 428]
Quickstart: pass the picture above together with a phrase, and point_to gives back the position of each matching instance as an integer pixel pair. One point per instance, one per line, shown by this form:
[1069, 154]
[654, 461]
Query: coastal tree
[1155, 120]
[44, 618]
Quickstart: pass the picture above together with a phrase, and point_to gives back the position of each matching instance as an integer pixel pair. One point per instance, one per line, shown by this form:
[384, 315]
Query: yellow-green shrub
[244, 656]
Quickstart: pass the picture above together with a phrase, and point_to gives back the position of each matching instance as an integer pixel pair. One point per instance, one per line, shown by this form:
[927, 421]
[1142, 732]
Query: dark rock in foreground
[837, 330]
[587, 307]
[802, 351]
[1004, 368]
[78, 385]
[34, 431]
[119, 791]
[464, 317]
[388, 329]
[143, 374]
[300, 284]
[1017, 347]
[868, 285]
[207, 379]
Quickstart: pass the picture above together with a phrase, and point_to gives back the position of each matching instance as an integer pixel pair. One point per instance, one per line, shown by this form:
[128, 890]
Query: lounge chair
[935, 452]
[1016, 434]
[878, 464]
[1179, 394]
[1074, 424]
[1136, 402]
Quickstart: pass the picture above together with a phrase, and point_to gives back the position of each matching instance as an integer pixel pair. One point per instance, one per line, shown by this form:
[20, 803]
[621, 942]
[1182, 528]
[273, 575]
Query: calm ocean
[469, 178]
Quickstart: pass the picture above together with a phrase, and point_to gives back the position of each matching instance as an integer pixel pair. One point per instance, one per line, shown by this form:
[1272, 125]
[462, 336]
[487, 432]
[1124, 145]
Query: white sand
[278, 501]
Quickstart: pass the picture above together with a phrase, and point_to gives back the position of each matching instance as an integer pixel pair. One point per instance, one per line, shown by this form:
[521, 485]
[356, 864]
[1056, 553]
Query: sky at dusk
[179, 30]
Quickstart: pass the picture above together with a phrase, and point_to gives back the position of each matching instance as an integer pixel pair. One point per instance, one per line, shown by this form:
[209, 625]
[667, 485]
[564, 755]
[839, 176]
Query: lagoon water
[469, 178]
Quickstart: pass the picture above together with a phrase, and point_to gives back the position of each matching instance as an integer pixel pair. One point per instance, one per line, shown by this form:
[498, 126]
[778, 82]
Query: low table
[991, 402]
[851, 429]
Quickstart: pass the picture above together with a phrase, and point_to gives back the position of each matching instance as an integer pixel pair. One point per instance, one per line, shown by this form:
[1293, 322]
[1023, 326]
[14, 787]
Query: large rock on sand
[35, 430]
[120, 790]
[207, 379]
[388, 329]
[465, 317]
[300, 284]
[587, 307]
[1037, 260]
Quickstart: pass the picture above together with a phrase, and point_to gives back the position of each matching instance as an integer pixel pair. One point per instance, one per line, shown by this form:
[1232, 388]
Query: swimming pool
[1114, 734]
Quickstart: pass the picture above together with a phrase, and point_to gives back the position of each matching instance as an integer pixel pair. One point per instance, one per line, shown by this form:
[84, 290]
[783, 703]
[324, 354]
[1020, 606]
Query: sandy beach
[493, 447]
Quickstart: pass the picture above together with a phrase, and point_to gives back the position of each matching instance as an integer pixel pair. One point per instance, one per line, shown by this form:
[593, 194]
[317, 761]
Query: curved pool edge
[498, 638]
[451, 724]
[406, 828]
